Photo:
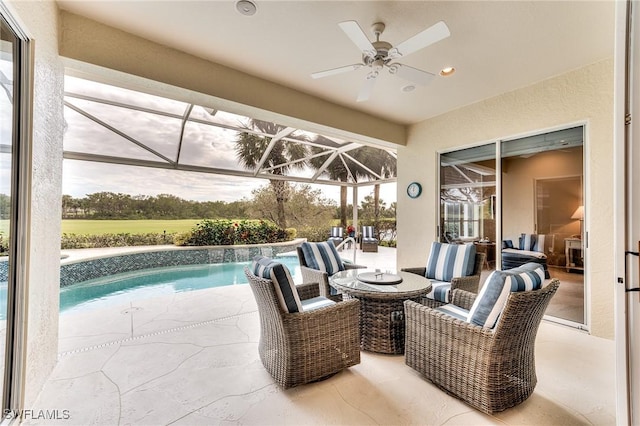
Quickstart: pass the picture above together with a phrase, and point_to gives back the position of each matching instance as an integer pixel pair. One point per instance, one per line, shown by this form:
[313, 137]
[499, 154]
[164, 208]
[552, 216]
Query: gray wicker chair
[303, 347]
[489, 369]
[310, 275]
[470, 283]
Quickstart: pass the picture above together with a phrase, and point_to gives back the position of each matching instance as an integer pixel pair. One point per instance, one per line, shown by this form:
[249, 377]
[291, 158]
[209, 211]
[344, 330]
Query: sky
[203, 145]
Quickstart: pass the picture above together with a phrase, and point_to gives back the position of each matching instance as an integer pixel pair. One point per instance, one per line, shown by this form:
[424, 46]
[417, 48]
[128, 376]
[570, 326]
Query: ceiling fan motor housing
[382, 54]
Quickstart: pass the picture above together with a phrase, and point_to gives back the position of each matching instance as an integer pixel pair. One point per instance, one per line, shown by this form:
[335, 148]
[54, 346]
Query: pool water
[123, 288]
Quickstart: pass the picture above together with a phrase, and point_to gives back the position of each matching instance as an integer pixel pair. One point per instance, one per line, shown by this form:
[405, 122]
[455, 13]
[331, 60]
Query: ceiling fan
[380, 54]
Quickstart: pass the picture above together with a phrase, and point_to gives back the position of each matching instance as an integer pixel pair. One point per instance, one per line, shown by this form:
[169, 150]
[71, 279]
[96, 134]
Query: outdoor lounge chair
[491, 369]
[316, 341]
[337, 235]
[318, 261]
[444, 277]
[369, 242]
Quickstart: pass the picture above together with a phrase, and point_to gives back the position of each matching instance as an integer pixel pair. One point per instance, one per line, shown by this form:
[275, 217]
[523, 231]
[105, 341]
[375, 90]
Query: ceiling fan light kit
[380, 54]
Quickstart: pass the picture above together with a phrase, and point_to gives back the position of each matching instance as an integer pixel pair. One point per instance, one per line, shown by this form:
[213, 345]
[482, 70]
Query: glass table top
[348, 282]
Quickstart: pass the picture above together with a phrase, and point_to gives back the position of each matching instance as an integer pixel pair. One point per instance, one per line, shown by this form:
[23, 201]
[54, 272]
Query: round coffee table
[381, 306]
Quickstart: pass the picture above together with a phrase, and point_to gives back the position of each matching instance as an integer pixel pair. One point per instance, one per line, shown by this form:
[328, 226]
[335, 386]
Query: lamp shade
[579, 213]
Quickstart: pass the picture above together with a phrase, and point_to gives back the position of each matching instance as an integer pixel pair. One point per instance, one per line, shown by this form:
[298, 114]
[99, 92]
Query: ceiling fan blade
[358, 37]
[421, 40]
[334, 71]
[412, 74]
[367, 88]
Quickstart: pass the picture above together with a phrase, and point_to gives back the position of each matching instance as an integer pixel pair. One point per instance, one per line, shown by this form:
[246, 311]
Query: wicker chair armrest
[308, 290]
[431, 333]
[418, 271]
[470, 283]
[353, 266]
[310, 275]
[462, 298]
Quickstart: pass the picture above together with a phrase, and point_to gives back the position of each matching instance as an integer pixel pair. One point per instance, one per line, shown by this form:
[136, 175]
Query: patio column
[355, 209]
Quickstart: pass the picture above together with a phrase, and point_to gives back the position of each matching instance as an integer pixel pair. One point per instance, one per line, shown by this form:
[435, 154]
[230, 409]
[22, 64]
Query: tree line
[303, 206]
[111, 205]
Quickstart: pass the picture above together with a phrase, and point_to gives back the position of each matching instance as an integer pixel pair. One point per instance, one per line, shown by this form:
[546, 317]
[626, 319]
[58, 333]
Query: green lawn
[98, 227]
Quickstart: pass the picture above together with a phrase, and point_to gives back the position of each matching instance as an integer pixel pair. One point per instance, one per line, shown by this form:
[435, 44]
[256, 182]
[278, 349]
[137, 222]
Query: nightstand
[571, 247]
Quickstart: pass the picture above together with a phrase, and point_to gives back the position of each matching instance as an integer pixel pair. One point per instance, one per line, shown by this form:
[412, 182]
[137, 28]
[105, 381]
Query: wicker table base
[382, 325]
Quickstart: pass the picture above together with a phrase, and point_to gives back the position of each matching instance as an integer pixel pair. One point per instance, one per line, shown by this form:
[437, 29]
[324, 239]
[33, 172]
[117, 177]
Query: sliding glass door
[14, 119]
[468, 199]
[536, 188]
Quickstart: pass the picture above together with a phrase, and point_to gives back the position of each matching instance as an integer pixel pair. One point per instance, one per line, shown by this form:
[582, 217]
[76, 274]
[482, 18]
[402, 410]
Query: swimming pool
[125, 287]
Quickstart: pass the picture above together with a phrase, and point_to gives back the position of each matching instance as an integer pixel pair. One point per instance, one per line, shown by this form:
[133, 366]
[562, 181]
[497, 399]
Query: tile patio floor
[191, 359]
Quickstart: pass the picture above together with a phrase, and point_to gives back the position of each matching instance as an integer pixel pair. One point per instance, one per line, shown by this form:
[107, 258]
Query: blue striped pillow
[491, 299]
[322, 257]
[279, 275]
[337, 231]
[532, 242]
[447, 261]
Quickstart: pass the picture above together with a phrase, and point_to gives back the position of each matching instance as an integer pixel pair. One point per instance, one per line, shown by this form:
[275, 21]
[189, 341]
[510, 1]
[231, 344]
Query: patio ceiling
[110, 124]
[495, 46]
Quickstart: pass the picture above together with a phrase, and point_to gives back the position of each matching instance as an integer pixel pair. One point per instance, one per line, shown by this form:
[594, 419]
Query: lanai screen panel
[115, 125]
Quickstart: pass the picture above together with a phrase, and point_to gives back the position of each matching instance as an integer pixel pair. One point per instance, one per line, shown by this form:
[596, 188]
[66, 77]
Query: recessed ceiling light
[408, 88]
[445, 72]
[246, 7]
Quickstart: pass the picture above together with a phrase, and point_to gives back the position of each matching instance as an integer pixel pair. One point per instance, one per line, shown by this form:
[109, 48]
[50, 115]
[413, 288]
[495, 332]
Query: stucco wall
[580, 96]
[40, 22]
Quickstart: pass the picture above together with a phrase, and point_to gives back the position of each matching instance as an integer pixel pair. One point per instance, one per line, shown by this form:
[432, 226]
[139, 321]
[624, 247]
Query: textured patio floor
[191, 358]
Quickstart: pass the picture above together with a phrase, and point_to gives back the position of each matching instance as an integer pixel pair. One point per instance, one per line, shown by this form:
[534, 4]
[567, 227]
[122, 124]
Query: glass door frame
[499, 204]
[15, 349]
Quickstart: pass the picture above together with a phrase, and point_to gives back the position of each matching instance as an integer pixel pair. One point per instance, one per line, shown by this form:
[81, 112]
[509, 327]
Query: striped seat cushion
[447, 261]
[279, 275]
[517, 253]
[316, 303]
[454, 311]
[440, 291]
[322, 257]
[491, 299]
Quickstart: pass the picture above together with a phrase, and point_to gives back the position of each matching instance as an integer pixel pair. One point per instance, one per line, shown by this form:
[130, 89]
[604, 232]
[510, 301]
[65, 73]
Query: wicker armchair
[469, 283]
[304, 347]
[489, 369]
[310, 275]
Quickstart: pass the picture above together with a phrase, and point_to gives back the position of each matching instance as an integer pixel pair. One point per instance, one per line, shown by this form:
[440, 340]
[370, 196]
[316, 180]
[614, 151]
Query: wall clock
[414, 190]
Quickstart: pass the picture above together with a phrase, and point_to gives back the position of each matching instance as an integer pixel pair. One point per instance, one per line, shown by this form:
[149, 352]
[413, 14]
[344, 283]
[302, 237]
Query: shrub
[4, 244]
[228, 232]
[76, 241]
[313, 233]
[206, 233]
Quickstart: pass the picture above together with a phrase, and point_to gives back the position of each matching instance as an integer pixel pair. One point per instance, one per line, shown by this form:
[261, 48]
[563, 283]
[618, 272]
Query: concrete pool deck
[191, 359]
[79, 331]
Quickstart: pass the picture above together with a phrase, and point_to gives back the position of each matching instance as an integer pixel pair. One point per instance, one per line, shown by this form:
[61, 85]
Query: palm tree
[251, 147]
